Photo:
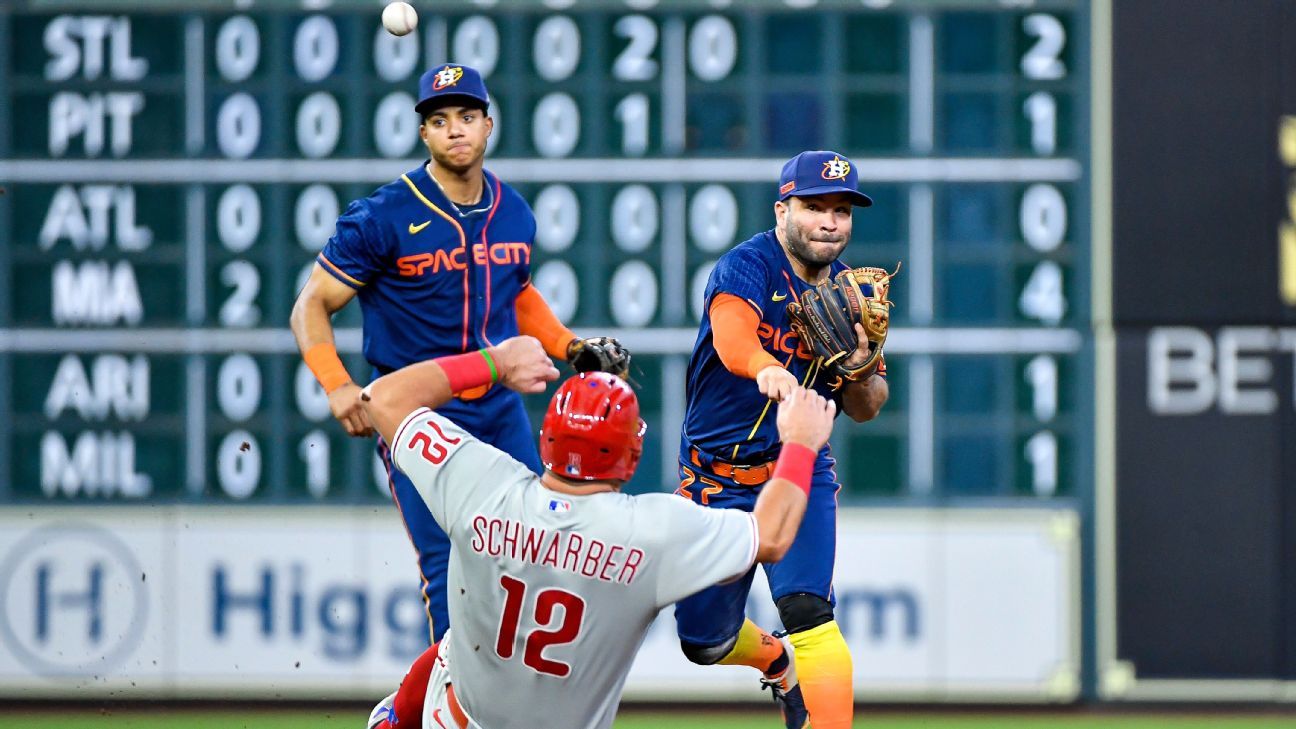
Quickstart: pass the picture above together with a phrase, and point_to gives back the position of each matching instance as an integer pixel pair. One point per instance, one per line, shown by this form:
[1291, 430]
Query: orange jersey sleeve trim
[734, 322]
[536, 319]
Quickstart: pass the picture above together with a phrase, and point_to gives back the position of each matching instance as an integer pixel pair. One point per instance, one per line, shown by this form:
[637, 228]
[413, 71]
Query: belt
[473, 393]
[742, 475]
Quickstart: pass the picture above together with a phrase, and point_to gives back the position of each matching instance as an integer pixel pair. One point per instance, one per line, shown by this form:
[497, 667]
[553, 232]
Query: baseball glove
[599, 354]
[826, 315]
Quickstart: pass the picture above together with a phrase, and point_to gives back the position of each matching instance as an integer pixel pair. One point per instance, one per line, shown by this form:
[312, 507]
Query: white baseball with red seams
[399, 18]
[550, 594]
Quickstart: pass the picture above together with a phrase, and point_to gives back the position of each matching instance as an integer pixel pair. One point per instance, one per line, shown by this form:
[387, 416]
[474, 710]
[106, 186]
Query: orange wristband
[323, 361]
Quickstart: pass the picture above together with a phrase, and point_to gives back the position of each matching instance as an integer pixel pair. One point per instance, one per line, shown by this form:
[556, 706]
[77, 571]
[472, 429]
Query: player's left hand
[523, 364]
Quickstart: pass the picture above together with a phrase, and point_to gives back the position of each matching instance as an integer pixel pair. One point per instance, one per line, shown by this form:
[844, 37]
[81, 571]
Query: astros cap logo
[448, 76]
[835, 169]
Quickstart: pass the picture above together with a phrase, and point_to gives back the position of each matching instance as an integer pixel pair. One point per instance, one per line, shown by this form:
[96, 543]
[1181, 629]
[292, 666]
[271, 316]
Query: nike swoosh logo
[416, 228]
[777, 297]
[436, 716]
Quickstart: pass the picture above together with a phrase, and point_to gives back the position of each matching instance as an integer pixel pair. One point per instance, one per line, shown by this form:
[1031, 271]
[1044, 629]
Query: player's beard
[812, 252]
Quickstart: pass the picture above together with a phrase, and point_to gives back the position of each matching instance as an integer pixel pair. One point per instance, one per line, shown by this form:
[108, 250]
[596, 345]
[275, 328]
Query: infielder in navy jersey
[440, 260]
[747, 358]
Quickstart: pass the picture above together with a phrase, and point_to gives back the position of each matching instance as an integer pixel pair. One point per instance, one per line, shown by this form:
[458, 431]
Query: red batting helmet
[592, 430]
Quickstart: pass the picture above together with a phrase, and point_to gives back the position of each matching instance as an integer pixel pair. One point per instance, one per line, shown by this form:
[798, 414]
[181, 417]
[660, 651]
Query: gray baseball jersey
[551, 594]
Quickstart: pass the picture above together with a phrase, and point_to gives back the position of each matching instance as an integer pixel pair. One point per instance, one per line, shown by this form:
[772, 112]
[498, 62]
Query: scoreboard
[170, 169]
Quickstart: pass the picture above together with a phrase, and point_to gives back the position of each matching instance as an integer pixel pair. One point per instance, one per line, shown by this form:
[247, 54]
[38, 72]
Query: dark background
[1206, 504]
[1198, 90]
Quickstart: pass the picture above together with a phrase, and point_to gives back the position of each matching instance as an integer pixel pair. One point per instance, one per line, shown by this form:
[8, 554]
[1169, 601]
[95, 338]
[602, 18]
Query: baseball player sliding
[555, 579]
[441, 262]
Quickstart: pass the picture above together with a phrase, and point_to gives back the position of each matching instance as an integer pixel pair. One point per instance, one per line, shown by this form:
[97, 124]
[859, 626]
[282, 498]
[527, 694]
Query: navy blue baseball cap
[821, 172]
[451, 83]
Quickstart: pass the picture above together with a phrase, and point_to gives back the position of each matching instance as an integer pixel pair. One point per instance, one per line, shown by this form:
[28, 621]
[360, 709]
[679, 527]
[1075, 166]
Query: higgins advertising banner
[323, 603]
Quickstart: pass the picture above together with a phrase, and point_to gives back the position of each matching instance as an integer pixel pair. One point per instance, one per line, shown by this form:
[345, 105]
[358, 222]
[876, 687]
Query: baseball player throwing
[555, 579]
[747, 357]
[440, 260]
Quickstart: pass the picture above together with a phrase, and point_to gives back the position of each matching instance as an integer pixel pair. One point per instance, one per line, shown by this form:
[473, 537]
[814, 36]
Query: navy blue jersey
[432, 279]
[727, 417]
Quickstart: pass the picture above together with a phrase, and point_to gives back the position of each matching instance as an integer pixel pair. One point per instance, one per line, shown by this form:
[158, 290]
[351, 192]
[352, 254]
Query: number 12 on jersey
[546, 603]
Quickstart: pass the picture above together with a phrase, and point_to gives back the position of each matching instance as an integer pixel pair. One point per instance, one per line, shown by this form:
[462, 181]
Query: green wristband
[491, 363]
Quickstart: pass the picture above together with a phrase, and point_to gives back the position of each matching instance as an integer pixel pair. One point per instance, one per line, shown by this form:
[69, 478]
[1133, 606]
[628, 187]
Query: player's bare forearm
[778, 513]
[518, 363]
[312, 314]
[388, 399]
[805, 420]
[863, 400]
[312, 326]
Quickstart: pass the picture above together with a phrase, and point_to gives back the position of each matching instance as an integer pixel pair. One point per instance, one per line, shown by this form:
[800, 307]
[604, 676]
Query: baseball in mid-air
[399, 18]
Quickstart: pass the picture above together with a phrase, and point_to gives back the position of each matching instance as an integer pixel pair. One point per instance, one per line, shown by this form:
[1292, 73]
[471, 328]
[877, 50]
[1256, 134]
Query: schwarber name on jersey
[728, 418]
[551, 591]
[407, 250]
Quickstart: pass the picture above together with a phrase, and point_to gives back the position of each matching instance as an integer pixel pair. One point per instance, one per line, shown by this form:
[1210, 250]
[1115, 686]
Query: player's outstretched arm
[599, 354]
[519, 363]
[536, 319]
[734, 326]
[805, 420]
[523, 364]
[312, 325]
